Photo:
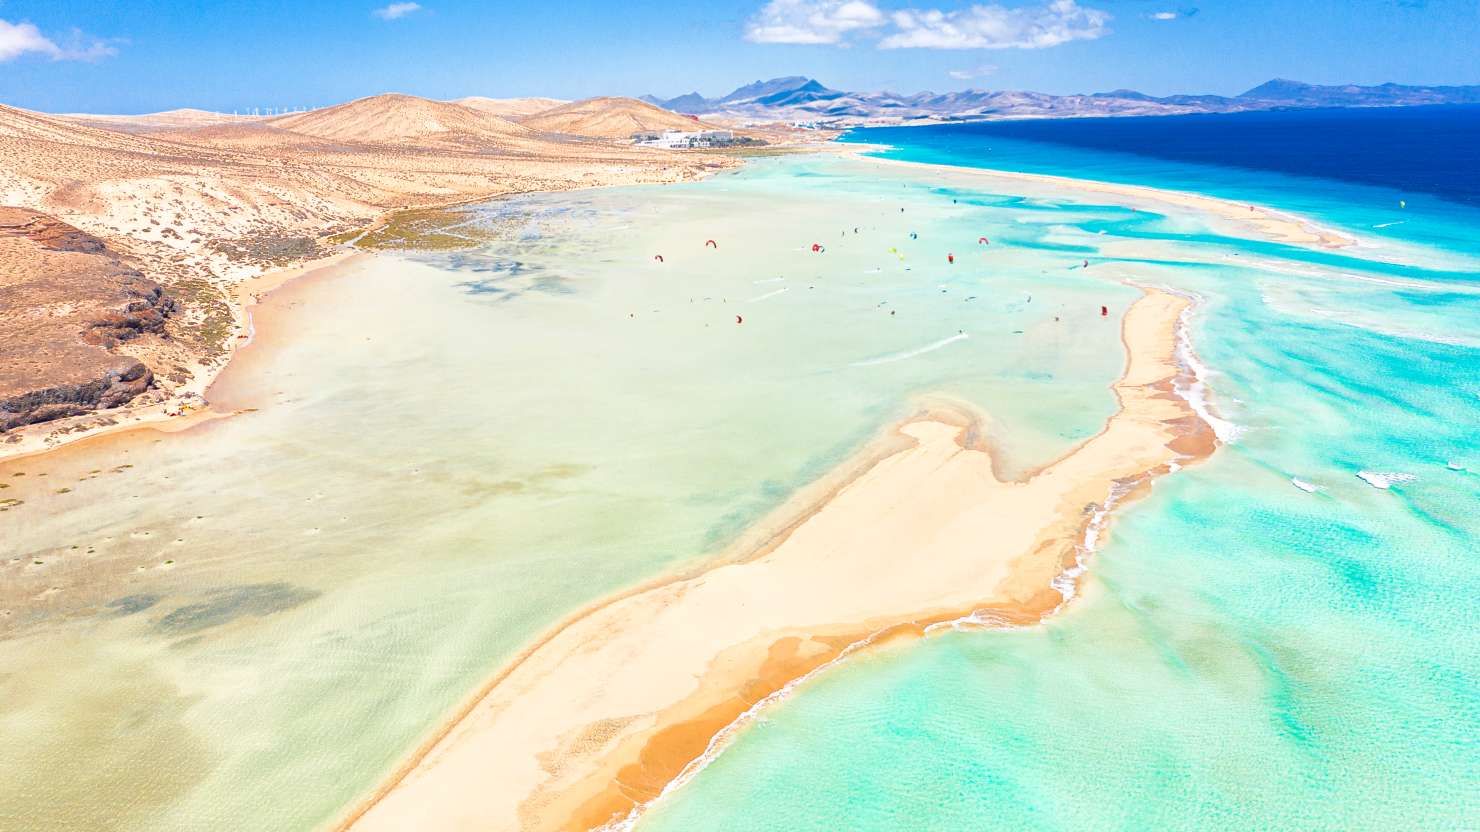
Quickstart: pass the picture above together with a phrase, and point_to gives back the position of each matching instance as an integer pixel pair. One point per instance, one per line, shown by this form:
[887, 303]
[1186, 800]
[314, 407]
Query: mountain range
[800, 99]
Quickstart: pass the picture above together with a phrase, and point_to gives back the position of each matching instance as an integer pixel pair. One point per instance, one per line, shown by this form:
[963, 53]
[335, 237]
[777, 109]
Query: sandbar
[595, 719]
[1268, 223]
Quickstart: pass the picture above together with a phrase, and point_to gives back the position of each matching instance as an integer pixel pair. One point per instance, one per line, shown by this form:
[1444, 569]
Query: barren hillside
[512, 108]
[198, 208]
[402, 119]
[610, 118]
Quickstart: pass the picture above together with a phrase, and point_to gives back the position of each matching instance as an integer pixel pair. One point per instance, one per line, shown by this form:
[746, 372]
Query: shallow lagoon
[1247, 655]
[440, 456]
[446, 454]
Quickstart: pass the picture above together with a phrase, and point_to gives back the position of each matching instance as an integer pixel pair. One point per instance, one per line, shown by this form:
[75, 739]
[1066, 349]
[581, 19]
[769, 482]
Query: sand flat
[599, 716]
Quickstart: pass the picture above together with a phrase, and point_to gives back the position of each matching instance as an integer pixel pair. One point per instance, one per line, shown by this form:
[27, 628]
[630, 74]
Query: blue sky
[142, 55]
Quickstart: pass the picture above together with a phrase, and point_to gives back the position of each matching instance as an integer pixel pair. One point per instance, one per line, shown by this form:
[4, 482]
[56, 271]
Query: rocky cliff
[67, 305]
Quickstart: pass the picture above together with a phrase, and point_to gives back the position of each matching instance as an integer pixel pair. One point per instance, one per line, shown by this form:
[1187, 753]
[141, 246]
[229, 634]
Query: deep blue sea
[1404, 173]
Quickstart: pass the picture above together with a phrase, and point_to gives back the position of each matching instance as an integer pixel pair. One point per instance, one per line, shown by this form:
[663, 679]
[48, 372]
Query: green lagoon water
[453, 452]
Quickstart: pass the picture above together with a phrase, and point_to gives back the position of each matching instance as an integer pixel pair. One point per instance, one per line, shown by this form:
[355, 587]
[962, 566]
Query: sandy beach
[598, 717]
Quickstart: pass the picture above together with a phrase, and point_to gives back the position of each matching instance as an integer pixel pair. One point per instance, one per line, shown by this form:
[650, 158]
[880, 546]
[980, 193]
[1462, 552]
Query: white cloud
[811, 21]
[1164, 16]
[996, 27]
[981, 71]
[17, 39]
[395, 11]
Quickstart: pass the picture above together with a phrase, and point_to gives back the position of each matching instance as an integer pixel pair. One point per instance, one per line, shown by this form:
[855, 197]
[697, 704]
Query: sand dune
[610, 118]
[510, 107]
[603, 713]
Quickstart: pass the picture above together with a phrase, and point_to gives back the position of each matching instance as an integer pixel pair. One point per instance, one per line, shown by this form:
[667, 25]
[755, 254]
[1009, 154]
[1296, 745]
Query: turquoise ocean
[1247, 654]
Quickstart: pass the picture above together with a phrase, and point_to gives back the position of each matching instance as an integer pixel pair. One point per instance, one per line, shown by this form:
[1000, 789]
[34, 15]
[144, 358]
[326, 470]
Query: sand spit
[1269, 223]
[598, 717]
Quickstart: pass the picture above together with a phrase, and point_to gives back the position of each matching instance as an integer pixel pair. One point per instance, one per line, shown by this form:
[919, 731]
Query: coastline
[1271, 223]
[188, 405]
[183, 409]
[603, 713]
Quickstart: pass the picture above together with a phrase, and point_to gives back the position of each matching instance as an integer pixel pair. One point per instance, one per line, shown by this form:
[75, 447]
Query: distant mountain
[693, 103]
[799, 99]
[763, 89]
[1350, 95]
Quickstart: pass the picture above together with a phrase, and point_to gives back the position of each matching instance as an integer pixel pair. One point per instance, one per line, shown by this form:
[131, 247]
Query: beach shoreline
[602, 714]
[188, 404]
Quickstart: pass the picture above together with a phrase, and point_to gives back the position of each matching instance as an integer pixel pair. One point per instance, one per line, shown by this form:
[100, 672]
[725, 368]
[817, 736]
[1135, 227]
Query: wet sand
[599, 716]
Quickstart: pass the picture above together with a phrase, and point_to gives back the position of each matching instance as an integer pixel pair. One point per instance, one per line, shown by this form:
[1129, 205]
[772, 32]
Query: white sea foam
[900, 356]
[1304, 486]
[1195, 389]
[1386, 224]
[1384, 480]
[1066, 582]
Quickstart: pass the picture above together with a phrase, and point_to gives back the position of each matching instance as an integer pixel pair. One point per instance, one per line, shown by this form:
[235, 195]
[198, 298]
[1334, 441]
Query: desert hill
[167, 120]
[199, 207]
[512, 108]
[401, 119]
[610, 118]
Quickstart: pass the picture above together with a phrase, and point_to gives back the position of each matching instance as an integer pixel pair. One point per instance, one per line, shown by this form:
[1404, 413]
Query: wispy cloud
[396, 11]
[1163, 16]
[990, 26]
[811, 21]
[996, 27]
[17, 39]
[980, 71]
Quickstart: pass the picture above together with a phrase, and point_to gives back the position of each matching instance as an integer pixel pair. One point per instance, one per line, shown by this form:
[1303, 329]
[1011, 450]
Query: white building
[679, 139]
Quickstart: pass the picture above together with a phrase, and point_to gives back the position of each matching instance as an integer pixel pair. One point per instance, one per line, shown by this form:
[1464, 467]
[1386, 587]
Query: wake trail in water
[781, 291]
[900, 356]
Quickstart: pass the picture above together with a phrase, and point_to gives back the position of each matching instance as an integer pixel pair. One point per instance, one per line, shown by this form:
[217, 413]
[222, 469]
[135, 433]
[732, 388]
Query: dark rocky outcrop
[66, 301]
[144, 311]
[116, 387]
